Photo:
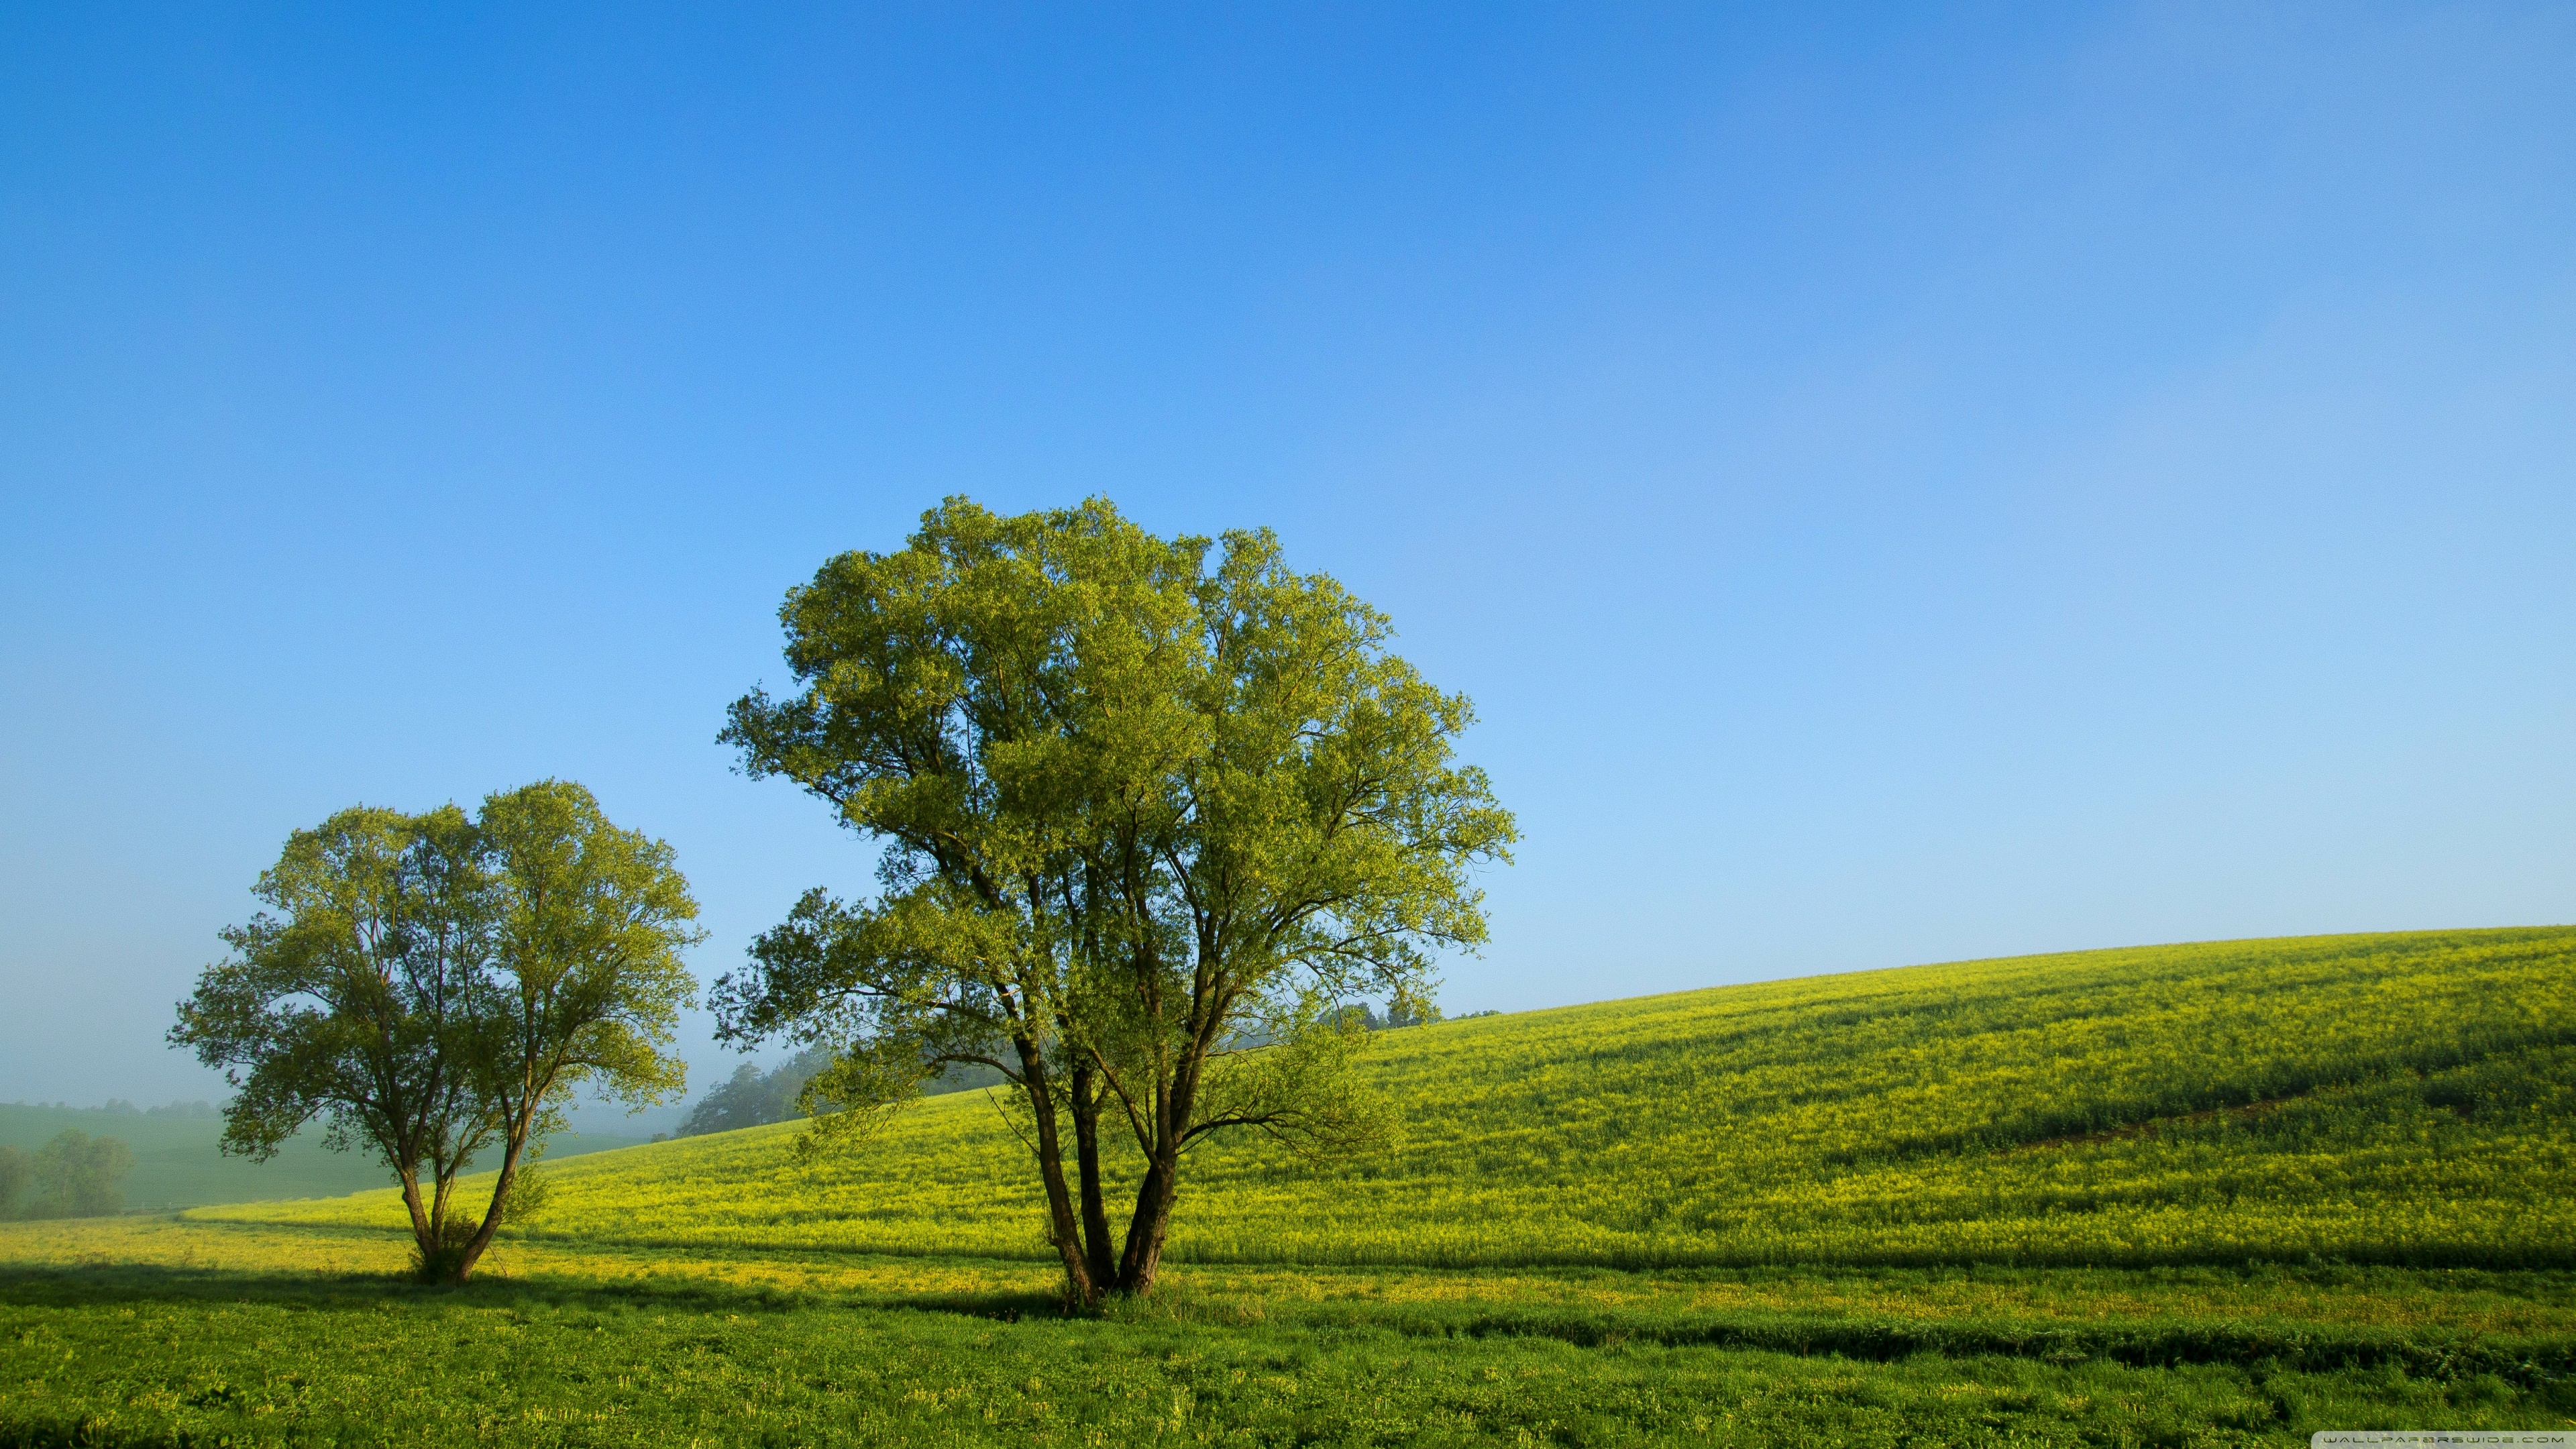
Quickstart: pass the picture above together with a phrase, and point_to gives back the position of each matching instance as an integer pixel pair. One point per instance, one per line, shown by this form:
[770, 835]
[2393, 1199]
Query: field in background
[177, 1163]
[2404, 1099]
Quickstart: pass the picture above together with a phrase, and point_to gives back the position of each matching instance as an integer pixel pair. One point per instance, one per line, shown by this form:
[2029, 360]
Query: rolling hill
[2389, 1098]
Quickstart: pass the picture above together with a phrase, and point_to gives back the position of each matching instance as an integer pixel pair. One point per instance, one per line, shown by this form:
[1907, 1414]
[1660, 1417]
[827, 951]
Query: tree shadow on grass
[62, 1433]
[91, 1285]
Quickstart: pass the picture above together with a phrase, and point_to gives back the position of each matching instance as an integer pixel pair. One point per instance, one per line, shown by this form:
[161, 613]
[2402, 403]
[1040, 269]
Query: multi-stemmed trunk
[1143, 1257]
[521, 1107]
[1083, 1287]
[428, 1222]
[438, 1162]
[1095, 1265]
[475, 1246]
[1151, 1223]
[1097, 1257]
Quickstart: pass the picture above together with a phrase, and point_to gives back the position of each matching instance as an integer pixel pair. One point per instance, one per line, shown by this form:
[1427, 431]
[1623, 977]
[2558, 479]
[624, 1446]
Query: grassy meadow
[173, 1332]
[2195, 1195]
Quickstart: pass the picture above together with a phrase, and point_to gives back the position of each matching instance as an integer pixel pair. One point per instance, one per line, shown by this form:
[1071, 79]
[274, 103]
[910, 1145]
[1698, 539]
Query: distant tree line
[73, 1176]
[754, 1098]
[1398, 1014]
[119, 1107]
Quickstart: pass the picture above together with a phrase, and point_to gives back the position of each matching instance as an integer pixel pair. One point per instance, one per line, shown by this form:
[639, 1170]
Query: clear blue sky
[1900, 485]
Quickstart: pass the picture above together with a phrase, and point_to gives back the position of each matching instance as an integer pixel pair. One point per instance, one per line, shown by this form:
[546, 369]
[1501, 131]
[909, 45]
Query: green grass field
[134, 1332]
[2202, 1195]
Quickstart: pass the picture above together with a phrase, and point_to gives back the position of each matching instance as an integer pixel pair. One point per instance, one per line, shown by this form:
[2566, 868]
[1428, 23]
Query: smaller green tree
[433, 986]
[589, 921]
[354, 1003]
[15, 1173]
[80, 1176]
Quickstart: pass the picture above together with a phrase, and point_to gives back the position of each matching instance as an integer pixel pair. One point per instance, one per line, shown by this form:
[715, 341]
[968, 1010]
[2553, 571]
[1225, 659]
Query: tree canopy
[73, 1176]
[1151, 810]
[584, 984]
[80, 1176]
[433, 985]
[354, 1001]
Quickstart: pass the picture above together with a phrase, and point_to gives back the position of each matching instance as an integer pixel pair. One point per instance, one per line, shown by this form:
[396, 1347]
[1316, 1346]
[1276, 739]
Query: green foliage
[589, 923]
[356, 1002]
[2400, 1099]
[754, 1098]
[585, 982]
[1139, 808]
[434, 984]
[75, 1176]
[16, 1172]
[530, 1196]
[440, 1256]
[1301, 1089]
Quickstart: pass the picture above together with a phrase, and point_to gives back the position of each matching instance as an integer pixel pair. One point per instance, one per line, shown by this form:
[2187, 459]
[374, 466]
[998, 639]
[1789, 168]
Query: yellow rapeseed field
[2392, 1098]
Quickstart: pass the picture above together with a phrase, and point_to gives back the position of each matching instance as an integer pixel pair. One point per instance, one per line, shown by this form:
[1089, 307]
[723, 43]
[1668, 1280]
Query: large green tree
[1150, 809]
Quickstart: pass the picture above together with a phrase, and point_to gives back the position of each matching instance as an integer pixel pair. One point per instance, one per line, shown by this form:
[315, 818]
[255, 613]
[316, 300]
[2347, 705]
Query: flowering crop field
[2394, 1099]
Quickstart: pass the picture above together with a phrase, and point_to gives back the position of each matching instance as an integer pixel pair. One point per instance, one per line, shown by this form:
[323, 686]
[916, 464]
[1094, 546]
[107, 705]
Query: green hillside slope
[177, 1163]
[2405, 1098]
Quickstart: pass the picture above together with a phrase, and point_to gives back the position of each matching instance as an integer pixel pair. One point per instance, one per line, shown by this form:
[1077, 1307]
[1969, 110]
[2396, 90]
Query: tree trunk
[444, 1176]
[1143, 1257]
[424, 1225]
[1081, 1287]
[482, 1238]
[1097, 1253]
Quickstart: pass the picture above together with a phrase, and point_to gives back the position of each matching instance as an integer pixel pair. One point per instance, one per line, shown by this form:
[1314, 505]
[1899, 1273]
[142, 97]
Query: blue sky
[1900, 485]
